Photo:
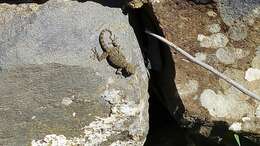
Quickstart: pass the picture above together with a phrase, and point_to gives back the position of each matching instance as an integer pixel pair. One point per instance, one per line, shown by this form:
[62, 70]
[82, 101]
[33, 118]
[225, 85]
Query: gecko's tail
[102, 38]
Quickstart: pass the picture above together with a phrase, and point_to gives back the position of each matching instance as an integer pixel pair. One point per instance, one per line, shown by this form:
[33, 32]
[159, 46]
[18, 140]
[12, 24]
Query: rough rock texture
[232, 49]
[53, 91]
[234, 11]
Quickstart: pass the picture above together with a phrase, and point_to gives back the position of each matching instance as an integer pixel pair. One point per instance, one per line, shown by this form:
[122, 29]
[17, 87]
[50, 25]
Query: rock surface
[232, 49]
[213, 41]
[214, 28]
[229, 55]
[54, 91]
[238, 33]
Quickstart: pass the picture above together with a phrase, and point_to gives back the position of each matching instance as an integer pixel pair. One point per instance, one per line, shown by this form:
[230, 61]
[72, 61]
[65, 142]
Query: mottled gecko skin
[111, 52]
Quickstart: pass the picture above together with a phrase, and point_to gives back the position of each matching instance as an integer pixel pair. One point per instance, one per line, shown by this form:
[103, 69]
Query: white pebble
[217, 40]
[252, 74]
[244, 119]
[201, 37]
[201, 56]
[66, 101]
[235, 127]
[212, 14]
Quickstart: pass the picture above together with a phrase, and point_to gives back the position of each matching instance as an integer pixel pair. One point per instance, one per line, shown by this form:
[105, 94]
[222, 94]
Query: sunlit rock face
[52, 88]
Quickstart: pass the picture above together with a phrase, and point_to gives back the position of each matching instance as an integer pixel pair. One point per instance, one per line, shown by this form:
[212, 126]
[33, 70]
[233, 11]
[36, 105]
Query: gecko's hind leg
[119, 71]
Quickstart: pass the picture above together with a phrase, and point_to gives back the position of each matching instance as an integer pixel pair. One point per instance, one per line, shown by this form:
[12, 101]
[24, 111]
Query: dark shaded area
[158, 59]
[164, 130]
[202, 1]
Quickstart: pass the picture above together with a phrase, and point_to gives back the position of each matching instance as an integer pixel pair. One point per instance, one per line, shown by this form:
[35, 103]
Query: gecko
[113, 54]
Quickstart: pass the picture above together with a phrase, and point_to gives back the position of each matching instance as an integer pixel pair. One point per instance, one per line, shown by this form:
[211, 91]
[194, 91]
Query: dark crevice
[165, 106]
[158, 59]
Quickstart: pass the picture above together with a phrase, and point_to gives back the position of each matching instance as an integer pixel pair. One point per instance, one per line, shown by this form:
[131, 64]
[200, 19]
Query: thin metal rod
[206, 66]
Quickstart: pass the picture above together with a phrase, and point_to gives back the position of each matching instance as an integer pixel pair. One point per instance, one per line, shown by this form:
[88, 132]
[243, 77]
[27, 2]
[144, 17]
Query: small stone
[201, 56]
[252, 74]
[256, 62]
[235, 127]
[66, 101]
[74, 114]
[240, 53]
[201, 37]
[33, 117]
[214, 28]
[212, 14]
[112, 96]
[225, 56]
[244, 119]
[251, 22]
[217, 40]
[237, 33]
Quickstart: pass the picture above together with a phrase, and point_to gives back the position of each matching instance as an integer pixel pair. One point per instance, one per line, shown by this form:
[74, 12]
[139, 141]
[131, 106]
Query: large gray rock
[52, 88]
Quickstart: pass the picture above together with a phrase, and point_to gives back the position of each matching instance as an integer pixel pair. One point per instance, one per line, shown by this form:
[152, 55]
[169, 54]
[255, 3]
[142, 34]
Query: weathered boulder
[53, 91]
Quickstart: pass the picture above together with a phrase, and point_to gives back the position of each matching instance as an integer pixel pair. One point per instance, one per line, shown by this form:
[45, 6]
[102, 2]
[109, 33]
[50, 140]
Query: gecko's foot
[115, 41]
[119, 71]
[94, 50]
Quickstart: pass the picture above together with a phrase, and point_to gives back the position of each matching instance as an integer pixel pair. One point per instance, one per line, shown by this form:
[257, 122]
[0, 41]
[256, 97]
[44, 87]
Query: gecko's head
[130, 69]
